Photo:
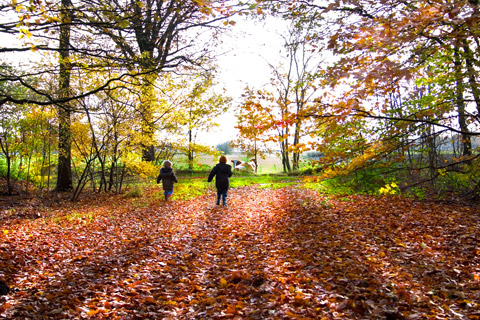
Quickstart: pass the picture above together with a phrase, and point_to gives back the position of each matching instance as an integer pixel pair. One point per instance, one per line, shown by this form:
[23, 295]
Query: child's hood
[166, 171]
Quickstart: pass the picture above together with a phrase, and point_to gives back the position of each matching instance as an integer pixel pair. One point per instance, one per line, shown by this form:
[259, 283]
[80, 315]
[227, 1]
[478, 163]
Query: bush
[134, 193]
[457, 182]
[14, 174]
[198, 170]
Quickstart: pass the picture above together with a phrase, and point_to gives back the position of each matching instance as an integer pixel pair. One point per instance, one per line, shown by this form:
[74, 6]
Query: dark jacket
[168, 178]
[223, 172]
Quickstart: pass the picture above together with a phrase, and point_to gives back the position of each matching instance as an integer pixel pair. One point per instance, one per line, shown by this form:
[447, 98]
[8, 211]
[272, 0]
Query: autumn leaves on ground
[288, 253]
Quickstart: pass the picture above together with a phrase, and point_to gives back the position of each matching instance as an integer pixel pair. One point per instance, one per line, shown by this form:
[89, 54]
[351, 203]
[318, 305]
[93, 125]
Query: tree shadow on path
[272, 254]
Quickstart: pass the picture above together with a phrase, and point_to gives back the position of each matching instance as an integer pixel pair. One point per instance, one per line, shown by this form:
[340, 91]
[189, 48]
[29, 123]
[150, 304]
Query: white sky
[249, 47]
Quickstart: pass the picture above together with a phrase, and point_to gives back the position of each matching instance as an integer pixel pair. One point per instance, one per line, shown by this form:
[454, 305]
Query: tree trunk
[285, 157]
[8, 159]
[460, 88]
[111, 174]
[28, 173]
[255, 155]
[296, 142]
[470, 62]
[113, 166]
[190, 150]
[146, 109]
[64, 178]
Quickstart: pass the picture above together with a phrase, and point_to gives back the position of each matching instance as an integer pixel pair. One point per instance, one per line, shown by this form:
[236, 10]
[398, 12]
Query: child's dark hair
[223, 159]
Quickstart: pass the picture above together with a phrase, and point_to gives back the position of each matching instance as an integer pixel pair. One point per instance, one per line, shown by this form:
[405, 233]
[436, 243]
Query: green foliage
[364, 181]
[190, 188]
[367, 180]
[136, 192]
[335, 186]
[416, 192]
[198, 170]
[15, 174]
[308, 167]
[458, 182]
[3, 170]
[274, 186]
[224, 147]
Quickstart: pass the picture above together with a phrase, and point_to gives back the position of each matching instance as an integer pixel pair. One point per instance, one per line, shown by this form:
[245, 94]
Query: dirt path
[272, 254]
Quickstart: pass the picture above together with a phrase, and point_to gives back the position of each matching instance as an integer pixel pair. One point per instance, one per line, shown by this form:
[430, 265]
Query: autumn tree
[8, 143]
[153, 37]
[253, 131]
[17, 126]
[289, 94]
[301, 78]
[149, 37]
[200, 107]
[37, 31]
[420, 51]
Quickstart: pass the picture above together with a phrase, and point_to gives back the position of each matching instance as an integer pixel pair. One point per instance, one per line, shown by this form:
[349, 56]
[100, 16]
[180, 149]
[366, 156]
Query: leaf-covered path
[272, 254]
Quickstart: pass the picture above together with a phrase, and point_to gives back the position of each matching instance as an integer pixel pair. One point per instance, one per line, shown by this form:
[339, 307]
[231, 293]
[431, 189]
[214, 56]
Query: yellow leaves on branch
[301, 147]
[232, 23]
[24, 31]
[202, 3]
[205, 6]
[137, 166]
[389, 189]
[371, 153]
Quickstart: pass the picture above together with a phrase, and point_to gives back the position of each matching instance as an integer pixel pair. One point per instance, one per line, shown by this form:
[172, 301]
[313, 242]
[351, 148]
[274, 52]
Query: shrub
[134, 193]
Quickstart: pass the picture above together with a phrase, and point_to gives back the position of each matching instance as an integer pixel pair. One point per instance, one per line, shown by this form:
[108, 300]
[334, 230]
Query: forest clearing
[286, 253]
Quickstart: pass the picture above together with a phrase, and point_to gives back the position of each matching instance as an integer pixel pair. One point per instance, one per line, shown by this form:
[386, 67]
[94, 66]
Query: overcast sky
[248, 48]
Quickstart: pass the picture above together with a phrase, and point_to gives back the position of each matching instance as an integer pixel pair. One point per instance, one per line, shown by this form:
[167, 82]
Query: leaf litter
[288, 253]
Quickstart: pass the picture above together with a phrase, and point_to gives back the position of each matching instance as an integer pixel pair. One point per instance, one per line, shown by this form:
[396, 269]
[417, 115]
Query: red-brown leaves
[275, 254]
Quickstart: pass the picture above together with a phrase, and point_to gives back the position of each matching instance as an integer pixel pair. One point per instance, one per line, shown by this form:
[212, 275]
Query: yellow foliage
[391, 188]
[370, 153]
[136, 165]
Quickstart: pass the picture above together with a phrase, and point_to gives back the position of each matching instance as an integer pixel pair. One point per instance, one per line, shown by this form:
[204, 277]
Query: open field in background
[272, 163]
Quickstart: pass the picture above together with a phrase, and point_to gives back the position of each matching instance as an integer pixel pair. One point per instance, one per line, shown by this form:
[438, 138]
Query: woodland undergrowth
[287, 253]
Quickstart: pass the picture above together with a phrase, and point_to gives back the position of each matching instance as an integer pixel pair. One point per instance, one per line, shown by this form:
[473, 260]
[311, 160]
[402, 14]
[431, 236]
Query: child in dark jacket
[223, 172]
[168, 178]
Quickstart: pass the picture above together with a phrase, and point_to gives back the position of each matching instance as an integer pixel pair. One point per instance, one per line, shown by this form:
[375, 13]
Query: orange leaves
[272, 254]
[223, 283]
[150, 300]
[96, 311]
